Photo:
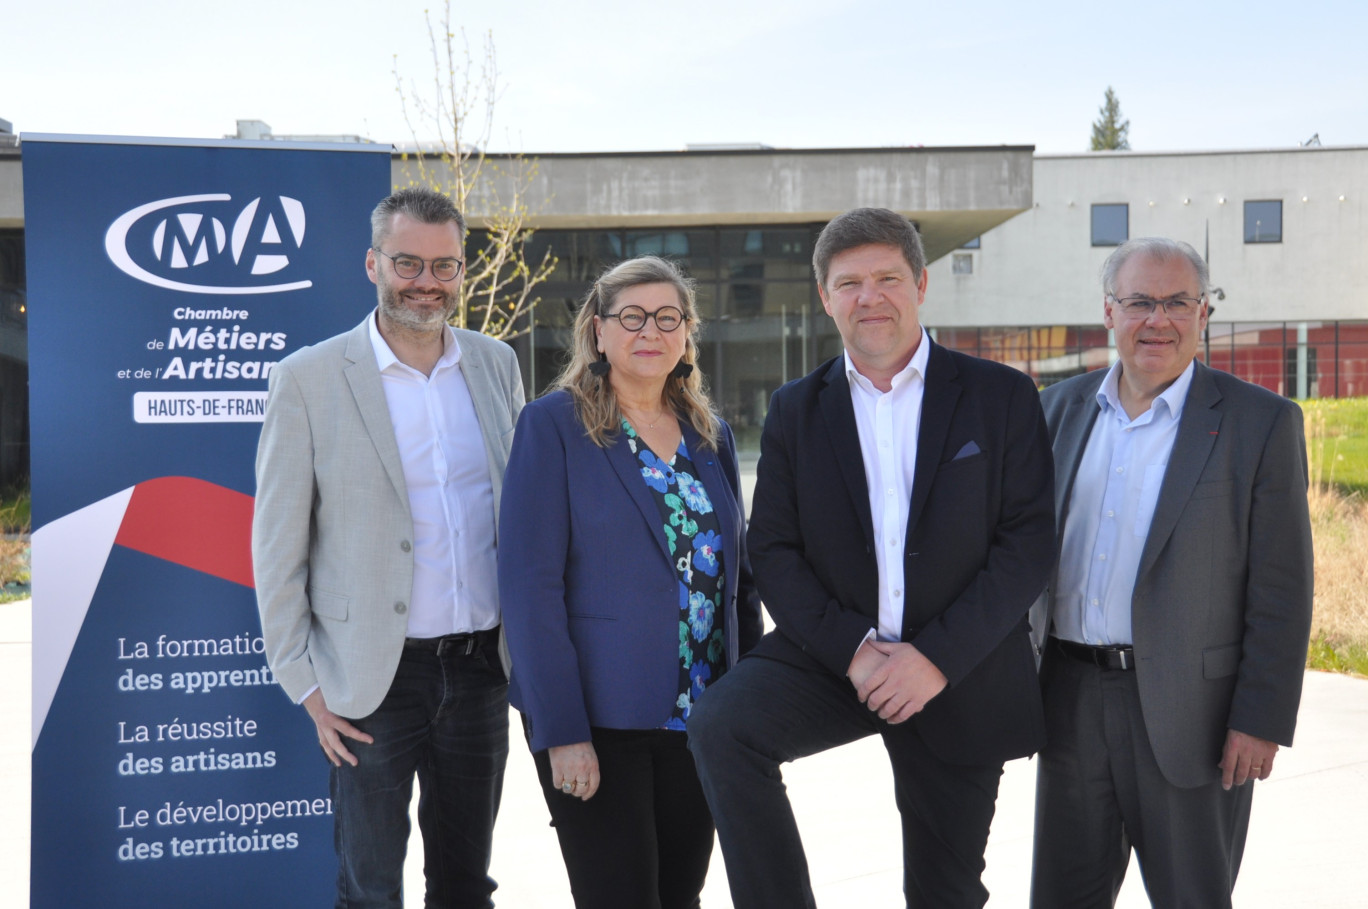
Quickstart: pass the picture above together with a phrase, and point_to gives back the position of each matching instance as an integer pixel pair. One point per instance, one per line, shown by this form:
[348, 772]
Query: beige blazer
[332, 532]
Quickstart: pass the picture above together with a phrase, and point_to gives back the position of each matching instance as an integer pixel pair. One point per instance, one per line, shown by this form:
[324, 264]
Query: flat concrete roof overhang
[954, 194]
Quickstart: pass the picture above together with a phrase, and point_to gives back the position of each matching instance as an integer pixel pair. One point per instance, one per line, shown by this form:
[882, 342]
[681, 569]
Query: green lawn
[1337, 437]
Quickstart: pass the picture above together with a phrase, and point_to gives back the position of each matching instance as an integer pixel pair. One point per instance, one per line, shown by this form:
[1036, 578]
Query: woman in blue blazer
[625, 588]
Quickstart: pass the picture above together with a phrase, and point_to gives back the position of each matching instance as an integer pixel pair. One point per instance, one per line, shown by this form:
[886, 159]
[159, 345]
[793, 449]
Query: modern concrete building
[1285, 232]
[1016, 241]
[743, 222]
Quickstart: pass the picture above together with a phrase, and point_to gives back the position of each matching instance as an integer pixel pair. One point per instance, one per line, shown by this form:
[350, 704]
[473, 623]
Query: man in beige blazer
[1179, 613]
[378, 478]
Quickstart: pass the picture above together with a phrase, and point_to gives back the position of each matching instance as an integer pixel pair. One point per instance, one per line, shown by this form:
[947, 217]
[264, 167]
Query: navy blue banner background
[88, 320]
[168, 768]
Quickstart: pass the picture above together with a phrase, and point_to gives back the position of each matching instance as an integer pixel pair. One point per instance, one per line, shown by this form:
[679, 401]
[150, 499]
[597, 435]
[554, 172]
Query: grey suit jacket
[1221, 610]
[332, 533]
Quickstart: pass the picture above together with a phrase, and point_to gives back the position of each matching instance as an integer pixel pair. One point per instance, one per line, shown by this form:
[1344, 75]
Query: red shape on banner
[194, 523]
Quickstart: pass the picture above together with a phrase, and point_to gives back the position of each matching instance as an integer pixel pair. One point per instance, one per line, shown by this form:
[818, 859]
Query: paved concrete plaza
[1308, 842]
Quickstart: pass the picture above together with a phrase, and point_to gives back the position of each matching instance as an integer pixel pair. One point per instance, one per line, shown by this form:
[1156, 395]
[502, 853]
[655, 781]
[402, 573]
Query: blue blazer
[589, 592]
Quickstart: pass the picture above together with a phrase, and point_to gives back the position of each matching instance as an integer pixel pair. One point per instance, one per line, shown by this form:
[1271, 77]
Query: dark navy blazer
[588, 588]
[979, 544]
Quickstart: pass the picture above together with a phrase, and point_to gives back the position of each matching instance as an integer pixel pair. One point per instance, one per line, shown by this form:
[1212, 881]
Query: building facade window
[1263, 221]
[1110, 224]
[764, 325]
[962, 264]
[975, 243]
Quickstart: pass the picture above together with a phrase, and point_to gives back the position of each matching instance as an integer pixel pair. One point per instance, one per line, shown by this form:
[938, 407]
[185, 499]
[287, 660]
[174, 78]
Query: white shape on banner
[204, 247]
[65, 586]
[270, 234]
[199, 406]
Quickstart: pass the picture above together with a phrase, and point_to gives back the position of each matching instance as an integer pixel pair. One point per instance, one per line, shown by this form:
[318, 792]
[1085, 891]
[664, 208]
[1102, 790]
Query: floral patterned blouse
[694, 534]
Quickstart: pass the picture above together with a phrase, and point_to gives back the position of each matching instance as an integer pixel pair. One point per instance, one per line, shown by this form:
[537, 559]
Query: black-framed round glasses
[633, 318]
[409, 267]
[1177, 308]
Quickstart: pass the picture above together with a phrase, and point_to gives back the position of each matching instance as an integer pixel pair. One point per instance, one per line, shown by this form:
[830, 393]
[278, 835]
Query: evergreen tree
[1110, 131]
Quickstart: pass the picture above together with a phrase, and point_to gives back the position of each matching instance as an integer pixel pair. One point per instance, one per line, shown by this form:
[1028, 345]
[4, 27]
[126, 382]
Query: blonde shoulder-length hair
[596, 404]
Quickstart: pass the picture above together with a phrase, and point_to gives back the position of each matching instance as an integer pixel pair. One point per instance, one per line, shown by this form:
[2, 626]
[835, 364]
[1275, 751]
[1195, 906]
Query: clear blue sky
[610, 76]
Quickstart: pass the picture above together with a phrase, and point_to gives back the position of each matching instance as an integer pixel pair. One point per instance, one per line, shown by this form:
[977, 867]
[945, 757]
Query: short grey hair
[1161, 248]
[861, 227]
[419, 203]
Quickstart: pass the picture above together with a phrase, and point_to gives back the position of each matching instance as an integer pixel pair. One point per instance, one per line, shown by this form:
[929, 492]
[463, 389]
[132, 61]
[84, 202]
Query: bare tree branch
[497, 295]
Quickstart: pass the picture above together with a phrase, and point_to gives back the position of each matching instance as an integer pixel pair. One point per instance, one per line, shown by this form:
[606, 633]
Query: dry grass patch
[1339, 625]
[14, 569]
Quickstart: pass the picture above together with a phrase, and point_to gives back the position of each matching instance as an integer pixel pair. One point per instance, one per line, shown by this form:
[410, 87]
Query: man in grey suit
[378, 477]
[1179, 614]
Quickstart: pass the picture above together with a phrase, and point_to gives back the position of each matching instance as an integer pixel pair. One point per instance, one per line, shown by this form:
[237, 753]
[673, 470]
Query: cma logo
[207, 245]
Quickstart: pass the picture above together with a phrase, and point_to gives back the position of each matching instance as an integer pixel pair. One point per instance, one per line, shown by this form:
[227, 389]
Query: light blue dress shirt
[1110, 508]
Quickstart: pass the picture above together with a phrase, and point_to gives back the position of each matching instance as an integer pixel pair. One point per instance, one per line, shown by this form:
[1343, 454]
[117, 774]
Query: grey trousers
[1099, 793]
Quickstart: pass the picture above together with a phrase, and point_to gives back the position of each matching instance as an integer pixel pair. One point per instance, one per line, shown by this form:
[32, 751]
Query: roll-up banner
[165, 280]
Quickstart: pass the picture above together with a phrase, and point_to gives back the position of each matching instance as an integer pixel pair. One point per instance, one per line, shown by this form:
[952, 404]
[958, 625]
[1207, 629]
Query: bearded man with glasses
[1174, 630]
[378, 480]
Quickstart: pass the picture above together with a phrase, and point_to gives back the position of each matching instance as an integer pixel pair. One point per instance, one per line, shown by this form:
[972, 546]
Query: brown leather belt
[1114, 656]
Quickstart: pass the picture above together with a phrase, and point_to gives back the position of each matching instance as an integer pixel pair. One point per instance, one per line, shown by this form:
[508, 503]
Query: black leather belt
[1113, 656]
[462, 644]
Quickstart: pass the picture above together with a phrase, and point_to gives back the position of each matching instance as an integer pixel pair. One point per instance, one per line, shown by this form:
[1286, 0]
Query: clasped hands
[894, 679]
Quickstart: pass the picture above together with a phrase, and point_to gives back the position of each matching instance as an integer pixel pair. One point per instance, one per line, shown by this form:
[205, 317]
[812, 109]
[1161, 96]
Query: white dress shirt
[889, 423]
[1110, 508]
[446, 472]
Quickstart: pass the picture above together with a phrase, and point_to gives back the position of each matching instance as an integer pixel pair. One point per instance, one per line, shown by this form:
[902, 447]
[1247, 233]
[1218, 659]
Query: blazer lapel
[940, 395]
[475, 371]
[1197, 431]
[628, 469]
[719, 490]
[1075, 426]
[844, 435]
[363, 376]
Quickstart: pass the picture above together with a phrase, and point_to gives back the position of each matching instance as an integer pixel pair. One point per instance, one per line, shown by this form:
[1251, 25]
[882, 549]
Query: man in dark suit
[902, 526]
[1180, 610]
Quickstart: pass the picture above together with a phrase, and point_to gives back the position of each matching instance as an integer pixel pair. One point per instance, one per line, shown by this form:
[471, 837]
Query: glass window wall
[764, 325]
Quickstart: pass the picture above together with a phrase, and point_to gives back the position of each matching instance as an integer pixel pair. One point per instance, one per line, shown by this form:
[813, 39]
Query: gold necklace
[651, 425]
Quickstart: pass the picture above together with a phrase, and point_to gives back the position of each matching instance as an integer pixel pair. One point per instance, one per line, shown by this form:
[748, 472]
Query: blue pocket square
[968, 451]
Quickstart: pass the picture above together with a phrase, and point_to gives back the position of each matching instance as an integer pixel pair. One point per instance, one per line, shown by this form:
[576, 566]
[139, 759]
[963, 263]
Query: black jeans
[644, 840]
[444, 719]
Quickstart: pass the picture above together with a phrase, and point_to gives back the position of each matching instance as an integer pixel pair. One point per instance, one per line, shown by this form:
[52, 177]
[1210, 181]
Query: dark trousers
[644, 840]
[1099, 792]
[764, 712]
[444, 719]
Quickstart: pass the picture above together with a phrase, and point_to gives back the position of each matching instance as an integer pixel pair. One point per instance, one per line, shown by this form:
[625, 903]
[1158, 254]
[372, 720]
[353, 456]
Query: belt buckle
[1114, 658]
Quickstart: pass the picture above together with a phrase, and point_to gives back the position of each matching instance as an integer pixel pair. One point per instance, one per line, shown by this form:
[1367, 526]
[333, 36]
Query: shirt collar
[385, 358]
[915, 367]
[1171, 398]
